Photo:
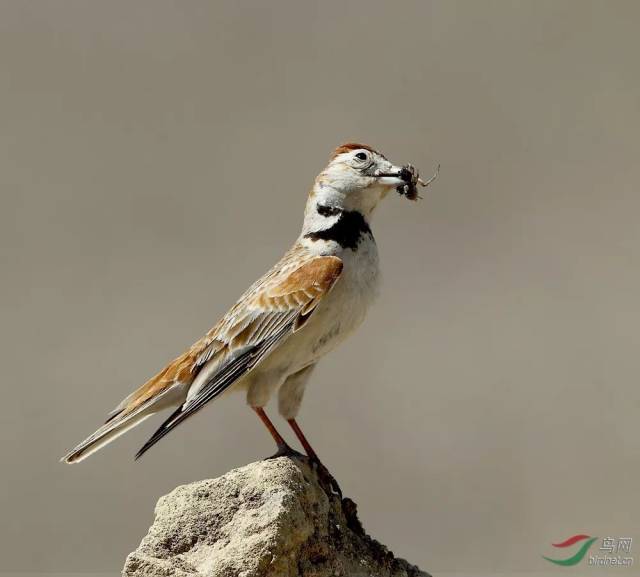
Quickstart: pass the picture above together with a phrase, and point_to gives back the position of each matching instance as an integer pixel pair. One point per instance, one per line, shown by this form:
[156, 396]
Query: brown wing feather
[251, 320]
[305, 285]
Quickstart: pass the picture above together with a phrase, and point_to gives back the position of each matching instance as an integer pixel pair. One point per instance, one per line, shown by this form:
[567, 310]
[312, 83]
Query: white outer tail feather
[119, 424]
[104, 435]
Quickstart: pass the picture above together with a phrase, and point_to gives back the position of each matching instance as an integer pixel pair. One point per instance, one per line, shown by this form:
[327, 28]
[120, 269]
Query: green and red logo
[586, 541]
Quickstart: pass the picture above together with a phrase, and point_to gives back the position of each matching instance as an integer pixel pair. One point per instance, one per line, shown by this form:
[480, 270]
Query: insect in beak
[411, 178]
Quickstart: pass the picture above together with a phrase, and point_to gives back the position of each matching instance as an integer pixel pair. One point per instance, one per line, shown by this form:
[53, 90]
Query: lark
[305, 306]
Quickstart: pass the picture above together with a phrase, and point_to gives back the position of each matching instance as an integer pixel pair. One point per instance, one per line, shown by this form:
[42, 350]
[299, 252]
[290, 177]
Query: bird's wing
[273, 308]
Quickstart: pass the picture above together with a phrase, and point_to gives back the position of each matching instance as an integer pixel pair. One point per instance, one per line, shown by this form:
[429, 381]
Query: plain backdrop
[155, 159]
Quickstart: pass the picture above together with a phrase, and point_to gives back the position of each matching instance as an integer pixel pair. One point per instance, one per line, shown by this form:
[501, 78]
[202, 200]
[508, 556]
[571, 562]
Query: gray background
[154, 160]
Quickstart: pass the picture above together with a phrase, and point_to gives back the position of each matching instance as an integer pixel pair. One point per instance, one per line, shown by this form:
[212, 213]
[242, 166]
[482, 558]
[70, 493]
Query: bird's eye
[361, 156]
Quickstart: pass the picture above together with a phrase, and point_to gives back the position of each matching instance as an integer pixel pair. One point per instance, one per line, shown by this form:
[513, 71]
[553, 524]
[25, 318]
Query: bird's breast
[344, 309]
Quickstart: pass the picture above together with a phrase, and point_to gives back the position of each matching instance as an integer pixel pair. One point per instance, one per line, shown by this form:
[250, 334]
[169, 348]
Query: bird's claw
[285, 450]
[326, 479]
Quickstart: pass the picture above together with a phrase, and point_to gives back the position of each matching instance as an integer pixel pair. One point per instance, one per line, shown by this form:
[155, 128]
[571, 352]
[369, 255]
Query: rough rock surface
[268, 519]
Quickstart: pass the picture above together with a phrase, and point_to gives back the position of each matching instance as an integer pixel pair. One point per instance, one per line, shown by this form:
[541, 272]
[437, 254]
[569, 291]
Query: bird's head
[357, 178]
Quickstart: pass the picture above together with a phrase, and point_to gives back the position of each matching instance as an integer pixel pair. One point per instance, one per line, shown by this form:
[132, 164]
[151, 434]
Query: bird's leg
[303, 440]
[325, 476]
[283, 446]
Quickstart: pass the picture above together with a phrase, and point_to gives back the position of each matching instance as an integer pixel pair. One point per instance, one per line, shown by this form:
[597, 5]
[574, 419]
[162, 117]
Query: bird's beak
[405, 179]
[393, 176]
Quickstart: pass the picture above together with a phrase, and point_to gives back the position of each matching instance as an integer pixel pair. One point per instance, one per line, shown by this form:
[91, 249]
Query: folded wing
[267, 314]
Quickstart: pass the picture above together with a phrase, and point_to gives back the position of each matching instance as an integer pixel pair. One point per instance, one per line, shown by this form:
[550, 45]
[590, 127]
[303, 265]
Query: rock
[268, 519]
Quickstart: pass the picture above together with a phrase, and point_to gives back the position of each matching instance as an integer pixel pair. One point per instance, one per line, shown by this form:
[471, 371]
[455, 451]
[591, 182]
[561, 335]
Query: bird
[306, 305]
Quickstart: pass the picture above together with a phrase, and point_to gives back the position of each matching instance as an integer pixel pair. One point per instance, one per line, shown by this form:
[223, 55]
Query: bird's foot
[285, 450]
[326, 479]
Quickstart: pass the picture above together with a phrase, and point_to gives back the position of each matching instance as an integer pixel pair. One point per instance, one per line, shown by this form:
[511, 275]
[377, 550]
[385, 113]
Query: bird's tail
[117, 425]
